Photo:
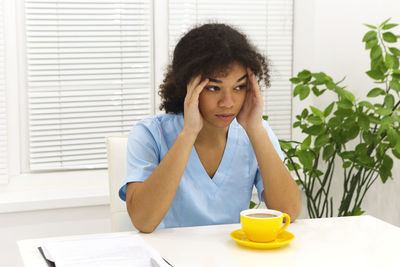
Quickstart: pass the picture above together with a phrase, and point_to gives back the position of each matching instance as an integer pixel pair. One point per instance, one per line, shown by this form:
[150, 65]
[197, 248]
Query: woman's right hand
[193, 121]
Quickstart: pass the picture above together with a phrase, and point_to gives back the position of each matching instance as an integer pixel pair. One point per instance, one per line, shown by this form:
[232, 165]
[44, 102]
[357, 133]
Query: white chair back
[116, 157]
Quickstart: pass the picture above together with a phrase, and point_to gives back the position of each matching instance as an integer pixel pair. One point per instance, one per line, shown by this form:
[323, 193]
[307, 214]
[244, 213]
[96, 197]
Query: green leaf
[301, 90]
[330, 85]
[361, 149]
[377, 63]
[347, 155]
[297, 90]
[306, 158]
[352, 132]
[384, 23]
[320, 78]
[317, 173]
[296, 124]
[366, 104]
[392, 136]
[321, 140]
[314, 130]
[314, 119]
[394, 51]
[395, 60]
[363, 121]
[304, 75]
[334, 122]
[395, 85]
[294, 80]
[349, 122]
[328, 152]
[389, 37]
[389, 101]
[374, 119]
[383, 111]
[317, 112]
[395, 75]
[376, 52]
[285, 145]
[388, 120]
[317, 92]
[389, 26]
[329, 109]
[340, 112]
[375, 74]
[395, 153]
[252, 205]
[348, 95]
[368, 137]
[306, 143]
[386, 168]
[289, 165]
[346, 164]
[371, 43]
[366, 161]
[376, 92]
[389, 61]
[345, 104]
[357, 212]
[382, 67]
[370, 26]
[304, 113]
[369, 36]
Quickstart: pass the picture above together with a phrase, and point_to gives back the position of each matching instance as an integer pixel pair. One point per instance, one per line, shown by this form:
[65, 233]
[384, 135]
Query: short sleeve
[275, 142]
[143, 155]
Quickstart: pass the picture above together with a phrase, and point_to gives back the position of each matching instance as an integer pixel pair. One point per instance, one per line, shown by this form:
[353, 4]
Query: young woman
[197, 164]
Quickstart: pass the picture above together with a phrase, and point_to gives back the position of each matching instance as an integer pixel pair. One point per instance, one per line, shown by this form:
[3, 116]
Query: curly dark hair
[207, 50]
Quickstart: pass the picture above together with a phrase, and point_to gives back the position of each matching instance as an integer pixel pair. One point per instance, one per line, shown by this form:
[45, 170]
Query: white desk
[345, 241]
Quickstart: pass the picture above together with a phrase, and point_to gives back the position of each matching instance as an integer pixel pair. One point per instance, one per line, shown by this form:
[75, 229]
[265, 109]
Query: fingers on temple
[200, 87]
[250, 74]
[193, 83]
[195, 86]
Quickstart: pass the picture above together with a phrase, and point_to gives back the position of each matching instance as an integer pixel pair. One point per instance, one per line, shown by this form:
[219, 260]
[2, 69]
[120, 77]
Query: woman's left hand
[250, 116]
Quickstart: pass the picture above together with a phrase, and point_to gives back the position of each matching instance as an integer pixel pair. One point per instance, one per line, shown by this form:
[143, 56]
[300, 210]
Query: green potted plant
[360, 136]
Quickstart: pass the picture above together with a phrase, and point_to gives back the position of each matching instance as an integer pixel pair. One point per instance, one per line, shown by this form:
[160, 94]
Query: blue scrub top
[199, 200]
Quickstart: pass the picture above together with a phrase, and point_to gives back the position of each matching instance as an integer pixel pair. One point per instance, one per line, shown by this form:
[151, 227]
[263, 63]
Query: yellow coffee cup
[263, 225]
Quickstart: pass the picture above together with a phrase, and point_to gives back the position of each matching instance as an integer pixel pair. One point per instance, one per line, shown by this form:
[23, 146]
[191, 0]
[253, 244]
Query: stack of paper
[101, 251]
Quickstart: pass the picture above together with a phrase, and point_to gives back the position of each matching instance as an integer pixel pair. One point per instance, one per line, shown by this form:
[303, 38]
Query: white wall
[48, 223]
[327, 37]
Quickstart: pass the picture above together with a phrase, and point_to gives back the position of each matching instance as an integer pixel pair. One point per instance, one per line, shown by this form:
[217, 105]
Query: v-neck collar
[223, 169]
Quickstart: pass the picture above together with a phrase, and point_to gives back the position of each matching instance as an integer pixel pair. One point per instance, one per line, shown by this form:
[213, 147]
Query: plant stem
[329, 186]
[327, 178]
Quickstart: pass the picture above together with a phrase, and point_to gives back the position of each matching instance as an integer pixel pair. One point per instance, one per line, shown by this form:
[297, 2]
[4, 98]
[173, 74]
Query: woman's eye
[212, 88]
[240, 87]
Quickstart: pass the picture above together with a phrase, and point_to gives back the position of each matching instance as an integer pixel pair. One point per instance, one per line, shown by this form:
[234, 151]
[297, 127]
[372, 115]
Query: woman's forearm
[148, 202]
[280, 190]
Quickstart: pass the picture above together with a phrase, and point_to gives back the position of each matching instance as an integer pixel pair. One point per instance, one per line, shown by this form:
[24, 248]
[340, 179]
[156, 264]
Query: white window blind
[268, 24]
[3, 111]
[89, 75]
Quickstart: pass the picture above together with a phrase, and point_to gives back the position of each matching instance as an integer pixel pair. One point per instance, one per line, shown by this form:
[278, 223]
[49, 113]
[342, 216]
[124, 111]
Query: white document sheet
[103, 251]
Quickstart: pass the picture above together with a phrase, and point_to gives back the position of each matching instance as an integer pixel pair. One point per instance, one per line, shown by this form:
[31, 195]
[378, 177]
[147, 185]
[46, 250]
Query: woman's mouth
[225, 117]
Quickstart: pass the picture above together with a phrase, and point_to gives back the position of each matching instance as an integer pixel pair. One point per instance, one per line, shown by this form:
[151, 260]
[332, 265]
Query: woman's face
[222, 98]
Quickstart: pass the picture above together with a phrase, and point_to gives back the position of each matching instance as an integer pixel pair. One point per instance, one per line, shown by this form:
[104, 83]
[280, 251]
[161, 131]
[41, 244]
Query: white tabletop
[343, 241]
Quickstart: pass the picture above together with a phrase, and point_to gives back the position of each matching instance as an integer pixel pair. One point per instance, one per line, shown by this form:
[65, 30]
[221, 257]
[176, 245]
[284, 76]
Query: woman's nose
[226, 100]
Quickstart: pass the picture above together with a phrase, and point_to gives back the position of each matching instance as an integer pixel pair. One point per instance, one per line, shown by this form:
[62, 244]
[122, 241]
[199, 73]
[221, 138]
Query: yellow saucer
[282, 239]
